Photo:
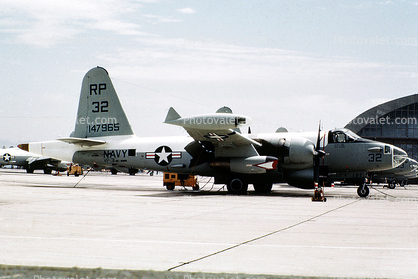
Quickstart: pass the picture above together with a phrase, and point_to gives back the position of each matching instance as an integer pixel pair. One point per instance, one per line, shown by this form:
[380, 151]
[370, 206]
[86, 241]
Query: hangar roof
[379, 111]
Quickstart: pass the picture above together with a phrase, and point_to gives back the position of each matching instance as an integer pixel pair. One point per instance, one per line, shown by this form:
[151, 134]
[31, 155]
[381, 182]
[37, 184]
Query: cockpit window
[387, 149]
[342, 136]
[353, 135]
[339, 137]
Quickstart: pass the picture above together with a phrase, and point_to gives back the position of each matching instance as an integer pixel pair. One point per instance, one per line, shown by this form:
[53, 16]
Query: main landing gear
[237, 186]
[262, 188]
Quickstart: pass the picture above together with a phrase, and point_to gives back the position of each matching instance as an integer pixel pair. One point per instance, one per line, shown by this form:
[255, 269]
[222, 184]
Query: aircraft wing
[42, 162]
[220, 129]
[221, 138]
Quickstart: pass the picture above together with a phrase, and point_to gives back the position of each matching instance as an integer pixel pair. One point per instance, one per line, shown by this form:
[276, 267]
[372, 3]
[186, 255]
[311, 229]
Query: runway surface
[132, 222]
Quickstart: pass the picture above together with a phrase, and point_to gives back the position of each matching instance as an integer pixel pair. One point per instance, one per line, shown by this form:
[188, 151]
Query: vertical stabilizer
[100, 113]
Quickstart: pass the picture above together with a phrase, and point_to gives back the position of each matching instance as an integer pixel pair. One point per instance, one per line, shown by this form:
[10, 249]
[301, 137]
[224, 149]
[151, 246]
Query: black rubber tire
[363, 191]
[262, 188]
[170, 186]
[237, 186]
[132, 171]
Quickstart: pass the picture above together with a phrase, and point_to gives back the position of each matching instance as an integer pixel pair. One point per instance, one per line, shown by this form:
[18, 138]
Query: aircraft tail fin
[172, 115]
[100, 112]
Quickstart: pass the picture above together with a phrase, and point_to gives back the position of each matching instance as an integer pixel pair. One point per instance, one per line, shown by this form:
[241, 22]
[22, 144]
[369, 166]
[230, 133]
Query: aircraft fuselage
[168, 154]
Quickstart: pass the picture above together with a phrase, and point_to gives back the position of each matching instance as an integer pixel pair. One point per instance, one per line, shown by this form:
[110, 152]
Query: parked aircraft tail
[100, 112]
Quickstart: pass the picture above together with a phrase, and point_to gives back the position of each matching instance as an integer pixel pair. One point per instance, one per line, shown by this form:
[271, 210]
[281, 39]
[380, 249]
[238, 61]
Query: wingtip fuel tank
[214, 121]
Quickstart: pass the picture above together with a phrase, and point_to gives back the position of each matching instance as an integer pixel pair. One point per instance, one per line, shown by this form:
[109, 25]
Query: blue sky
[283, 63]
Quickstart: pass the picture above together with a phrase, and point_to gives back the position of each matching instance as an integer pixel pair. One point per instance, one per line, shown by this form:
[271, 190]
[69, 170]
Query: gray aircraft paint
[100, 112]
[215, 148]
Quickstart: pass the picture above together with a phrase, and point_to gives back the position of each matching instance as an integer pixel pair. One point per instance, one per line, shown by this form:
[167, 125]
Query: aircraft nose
[414, 164]
[399, 156]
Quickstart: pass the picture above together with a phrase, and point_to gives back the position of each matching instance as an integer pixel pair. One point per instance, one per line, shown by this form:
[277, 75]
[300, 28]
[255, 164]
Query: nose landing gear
[363, 190]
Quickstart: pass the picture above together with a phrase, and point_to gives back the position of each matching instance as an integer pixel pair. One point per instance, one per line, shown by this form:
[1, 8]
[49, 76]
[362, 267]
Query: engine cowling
[301, 153]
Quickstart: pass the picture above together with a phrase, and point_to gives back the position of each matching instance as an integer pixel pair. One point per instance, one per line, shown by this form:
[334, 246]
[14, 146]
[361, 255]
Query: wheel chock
[318, 194]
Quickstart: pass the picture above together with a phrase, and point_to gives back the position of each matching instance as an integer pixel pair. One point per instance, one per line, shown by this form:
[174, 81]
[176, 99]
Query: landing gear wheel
[132, 171]
[237, 187]
[363, 191]
[113, 171]
[262, 188]
[196, 187]
[170, 186]
[392, 185]
[47, 171]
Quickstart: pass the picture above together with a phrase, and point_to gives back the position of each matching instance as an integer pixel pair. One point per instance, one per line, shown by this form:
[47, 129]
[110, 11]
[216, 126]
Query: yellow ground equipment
[174, 179]
[74, 169]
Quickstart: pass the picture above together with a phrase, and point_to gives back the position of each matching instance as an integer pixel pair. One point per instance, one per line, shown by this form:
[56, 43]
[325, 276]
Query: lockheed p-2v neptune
[29, 161]
[215, 148]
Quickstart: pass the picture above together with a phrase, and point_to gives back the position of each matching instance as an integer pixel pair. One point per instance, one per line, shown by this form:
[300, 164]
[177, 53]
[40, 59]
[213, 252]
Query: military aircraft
[30, 161]
[216, 148]
[399, 175]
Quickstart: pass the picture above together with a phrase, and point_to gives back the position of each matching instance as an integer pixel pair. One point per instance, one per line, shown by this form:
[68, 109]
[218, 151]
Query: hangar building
[394, 122]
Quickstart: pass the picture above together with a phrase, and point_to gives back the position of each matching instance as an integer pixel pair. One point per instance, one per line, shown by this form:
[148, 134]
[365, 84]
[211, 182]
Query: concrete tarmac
[133, 222]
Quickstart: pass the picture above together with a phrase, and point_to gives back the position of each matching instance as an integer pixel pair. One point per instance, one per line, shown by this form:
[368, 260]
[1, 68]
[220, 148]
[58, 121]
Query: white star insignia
[7, 157]
[163, 156]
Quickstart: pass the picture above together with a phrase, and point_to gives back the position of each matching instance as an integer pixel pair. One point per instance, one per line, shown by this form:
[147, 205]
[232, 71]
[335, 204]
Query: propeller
[317, 156]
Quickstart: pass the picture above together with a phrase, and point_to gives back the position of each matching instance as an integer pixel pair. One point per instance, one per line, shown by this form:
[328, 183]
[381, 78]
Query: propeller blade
[318, 154]
[318, 139]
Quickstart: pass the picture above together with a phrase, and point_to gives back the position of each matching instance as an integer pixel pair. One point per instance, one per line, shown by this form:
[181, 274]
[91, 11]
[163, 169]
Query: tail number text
[111, 127]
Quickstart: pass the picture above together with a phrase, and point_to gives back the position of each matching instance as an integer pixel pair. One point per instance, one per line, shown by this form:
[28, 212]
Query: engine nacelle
[301, 178]
[249, 165]
[301, 153]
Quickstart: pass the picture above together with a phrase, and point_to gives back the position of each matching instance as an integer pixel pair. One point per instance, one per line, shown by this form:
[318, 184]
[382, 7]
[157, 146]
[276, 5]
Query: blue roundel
[163, 155]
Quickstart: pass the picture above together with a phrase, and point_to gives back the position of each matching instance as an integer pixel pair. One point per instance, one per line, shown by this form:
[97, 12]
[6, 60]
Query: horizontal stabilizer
[172, 115]
[82, 141]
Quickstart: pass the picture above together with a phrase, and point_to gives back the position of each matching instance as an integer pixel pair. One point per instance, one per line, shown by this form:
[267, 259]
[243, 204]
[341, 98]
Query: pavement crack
[262, 236]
